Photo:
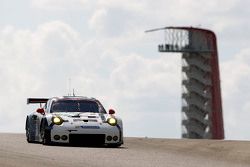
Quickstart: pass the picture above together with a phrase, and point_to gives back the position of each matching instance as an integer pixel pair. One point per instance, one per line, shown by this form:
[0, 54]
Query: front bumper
[87, 133]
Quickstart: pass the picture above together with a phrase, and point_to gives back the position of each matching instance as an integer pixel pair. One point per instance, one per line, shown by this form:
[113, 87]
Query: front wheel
[45, 133]
[114, 145]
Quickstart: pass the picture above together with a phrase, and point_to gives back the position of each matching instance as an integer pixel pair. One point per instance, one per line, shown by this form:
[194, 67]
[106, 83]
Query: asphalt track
[136, 152]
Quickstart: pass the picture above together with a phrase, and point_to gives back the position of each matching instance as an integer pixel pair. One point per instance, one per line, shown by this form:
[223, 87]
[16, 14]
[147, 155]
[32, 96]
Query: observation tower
[202, 116]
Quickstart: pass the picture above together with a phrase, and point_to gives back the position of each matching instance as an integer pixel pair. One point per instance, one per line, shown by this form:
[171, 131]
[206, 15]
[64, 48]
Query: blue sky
[102, 47]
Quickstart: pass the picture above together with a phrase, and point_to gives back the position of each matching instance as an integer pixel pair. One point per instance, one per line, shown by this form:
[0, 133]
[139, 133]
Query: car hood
[86, 117]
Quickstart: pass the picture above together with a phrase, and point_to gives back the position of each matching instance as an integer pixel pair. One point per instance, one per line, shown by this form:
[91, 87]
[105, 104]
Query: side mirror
[111, 111]
[41, 111]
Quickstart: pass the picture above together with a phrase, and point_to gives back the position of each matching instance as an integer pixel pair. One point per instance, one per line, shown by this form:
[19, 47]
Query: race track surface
[136, 152]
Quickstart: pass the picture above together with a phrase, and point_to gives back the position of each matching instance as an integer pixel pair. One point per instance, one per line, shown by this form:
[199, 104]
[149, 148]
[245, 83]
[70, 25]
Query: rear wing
[37, 100]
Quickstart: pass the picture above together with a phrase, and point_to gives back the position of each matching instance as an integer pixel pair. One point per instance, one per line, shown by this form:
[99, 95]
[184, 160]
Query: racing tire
[114, 145]
[27, 128]
[45, 133]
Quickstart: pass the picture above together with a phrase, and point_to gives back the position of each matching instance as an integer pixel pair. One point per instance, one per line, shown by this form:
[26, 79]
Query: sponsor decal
[92, 116]
[90, 127]
[75, 120]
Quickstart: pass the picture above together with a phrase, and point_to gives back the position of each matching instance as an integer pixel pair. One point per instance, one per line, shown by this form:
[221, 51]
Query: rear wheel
[27, 128]
[45, 133]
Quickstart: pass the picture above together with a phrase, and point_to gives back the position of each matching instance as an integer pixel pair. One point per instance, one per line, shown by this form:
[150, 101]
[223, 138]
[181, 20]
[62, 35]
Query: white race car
[75, 120]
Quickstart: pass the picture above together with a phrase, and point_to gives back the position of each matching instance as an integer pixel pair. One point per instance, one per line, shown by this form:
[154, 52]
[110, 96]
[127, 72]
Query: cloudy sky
[100, 45]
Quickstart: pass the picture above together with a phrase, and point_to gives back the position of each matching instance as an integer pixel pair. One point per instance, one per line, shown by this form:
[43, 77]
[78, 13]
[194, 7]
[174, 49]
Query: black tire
[45, 133]
[114, 145]
[27, 128]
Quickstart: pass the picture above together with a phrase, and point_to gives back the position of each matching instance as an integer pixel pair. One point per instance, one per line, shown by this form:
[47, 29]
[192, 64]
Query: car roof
[74, 98]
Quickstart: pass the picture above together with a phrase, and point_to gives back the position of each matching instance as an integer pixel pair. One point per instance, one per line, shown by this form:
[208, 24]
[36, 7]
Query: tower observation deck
[201, 95]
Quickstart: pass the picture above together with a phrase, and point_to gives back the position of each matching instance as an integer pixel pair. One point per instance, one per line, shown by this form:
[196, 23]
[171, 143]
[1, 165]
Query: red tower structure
[201, 93]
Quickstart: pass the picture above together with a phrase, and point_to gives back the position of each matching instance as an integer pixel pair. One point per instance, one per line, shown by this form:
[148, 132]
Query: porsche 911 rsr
[73, 120]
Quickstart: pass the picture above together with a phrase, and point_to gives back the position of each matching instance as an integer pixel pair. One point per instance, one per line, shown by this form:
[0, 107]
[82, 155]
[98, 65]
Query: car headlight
[112, 121]
[57, 120]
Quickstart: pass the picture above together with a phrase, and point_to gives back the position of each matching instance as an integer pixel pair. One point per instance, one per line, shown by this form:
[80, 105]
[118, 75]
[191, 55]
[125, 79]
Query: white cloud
[157, 124]
[235, 73]
[236, 95]
[29, 64]
[141, 76]
[123, 4]
[97, 20]
[113, 22]
[43, 60]
[107, 55]
[60, 5]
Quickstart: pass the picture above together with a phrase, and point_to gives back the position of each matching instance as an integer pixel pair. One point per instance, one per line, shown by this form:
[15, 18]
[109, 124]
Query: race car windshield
[75, 106]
